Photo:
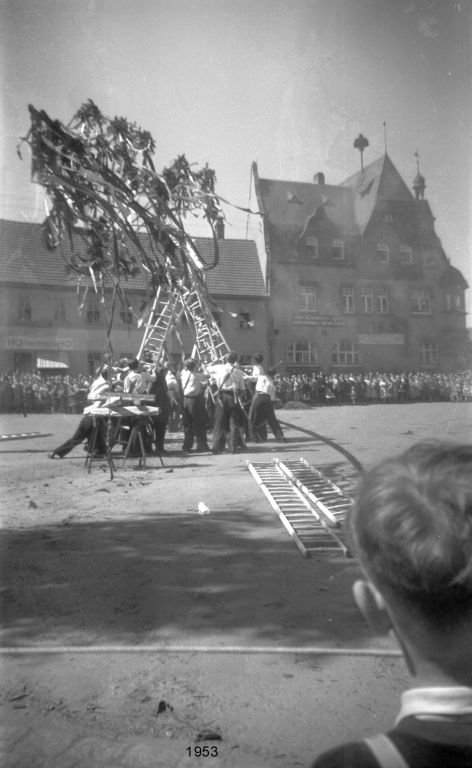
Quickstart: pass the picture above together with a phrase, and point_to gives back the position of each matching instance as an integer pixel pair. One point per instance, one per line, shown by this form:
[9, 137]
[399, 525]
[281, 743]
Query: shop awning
[46, 365]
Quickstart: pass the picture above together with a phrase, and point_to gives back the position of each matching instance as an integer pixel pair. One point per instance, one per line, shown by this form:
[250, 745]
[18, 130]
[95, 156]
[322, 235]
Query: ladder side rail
[302, 489]
[288, 527]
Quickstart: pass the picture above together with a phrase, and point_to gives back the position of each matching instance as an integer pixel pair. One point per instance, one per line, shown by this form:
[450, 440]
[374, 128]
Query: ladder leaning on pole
[167, 308]
[165, 311]
[210, 344]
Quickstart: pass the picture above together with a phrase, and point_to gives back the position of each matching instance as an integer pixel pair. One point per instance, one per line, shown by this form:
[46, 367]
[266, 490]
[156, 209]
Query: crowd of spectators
[34, 393]
[374, 387]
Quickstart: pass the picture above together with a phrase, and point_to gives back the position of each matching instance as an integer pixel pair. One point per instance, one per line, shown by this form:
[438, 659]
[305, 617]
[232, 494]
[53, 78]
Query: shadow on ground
[161, 577]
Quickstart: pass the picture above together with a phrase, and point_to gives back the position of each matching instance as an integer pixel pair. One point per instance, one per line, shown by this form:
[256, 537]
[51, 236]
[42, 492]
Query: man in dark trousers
[194, 415]
[158, 388]
[229, 384]
[85, 427]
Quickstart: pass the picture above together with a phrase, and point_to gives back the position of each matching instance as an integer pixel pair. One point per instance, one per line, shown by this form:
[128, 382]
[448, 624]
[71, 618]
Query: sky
[289, 85]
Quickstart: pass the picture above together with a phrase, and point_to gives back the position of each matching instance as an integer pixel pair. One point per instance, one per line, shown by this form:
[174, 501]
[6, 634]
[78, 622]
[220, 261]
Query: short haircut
[133, 365]
[271, 371]
[231, 357]
[189, 363]
[258, 357]
[412, 529]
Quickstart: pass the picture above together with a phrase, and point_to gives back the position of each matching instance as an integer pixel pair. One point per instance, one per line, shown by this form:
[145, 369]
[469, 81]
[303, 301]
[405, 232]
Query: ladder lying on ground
[312, 508]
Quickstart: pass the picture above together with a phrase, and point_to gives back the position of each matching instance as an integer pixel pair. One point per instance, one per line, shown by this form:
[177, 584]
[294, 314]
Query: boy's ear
[372, 606]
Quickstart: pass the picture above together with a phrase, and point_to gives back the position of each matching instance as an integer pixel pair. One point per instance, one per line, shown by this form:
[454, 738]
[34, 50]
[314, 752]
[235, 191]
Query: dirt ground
[135, 629]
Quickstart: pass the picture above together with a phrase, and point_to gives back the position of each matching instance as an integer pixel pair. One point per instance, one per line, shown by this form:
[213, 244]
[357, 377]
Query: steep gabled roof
[379, 181]
[25, 258]
[349, 206]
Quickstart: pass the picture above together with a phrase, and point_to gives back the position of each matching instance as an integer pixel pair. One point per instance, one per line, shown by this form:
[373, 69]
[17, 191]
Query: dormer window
[312, 247]
[337, 250]
[406, 254]
[381, 255]
[292, 198]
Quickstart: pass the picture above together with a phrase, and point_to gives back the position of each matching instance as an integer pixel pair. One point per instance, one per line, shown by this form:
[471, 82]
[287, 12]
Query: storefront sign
[380, 338]
[320, 320]
[38, 342]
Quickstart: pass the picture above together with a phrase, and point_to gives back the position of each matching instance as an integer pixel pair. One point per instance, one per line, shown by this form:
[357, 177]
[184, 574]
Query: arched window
[302, 353]
[345, 353]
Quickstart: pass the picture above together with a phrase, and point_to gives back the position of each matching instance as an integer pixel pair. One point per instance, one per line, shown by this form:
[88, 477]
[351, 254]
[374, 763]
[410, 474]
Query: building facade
[358, 278]
[45, 316]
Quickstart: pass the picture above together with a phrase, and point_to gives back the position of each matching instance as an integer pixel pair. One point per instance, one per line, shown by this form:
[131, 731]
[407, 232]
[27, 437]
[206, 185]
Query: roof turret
[419, 183]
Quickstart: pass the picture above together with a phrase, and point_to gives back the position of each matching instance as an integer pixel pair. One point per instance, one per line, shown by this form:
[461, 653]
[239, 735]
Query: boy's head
[412, 529]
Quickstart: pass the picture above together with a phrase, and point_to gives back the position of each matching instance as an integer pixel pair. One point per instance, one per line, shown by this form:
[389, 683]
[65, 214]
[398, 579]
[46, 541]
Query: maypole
[121, 218]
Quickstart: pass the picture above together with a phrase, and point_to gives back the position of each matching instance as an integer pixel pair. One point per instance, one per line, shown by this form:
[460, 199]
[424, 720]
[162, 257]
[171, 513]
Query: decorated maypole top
[120, 217]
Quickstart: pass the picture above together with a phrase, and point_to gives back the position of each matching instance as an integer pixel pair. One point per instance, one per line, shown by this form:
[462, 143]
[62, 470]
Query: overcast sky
[288, 84]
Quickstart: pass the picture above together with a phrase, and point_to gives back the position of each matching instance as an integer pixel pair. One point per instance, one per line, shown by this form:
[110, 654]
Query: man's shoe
[54, 455]
[202, 449]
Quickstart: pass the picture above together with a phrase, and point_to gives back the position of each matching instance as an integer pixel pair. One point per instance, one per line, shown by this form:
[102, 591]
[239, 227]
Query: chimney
[220, 227]
[319, 178]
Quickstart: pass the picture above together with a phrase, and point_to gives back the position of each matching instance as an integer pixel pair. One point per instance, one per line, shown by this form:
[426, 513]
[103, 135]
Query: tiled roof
[350, 205]
[238, 271]
[289, 205]
[25, 258]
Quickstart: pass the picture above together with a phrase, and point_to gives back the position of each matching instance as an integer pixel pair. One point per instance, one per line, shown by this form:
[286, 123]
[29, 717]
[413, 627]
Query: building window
[59, 309]
[93, 310]
[367, 301]
[245, 360]
[347, 299]
[312, 247]
[420, 301]
[245, 321]
[381, 301]
[24, 308]
[307, 298]
[302, 353]
[429, 353]
[381, 255]
[345, 353]
[126, 316]
[337, 250]
[448, 302]
[406, 254]
[459, 301]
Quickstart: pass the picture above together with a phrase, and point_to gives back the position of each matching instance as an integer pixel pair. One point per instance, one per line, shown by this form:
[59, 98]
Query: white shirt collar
[444, 703]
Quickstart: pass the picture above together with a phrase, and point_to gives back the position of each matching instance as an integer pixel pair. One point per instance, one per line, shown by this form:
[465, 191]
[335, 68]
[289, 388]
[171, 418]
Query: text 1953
[205, 751]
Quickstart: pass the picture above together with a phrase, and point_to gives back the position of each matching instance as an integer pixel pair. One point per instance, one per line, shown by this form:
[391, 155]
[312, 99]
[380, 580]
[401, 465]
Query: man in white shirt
[194, 414]
[138, 379]
[229, 384]
[262, 410]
